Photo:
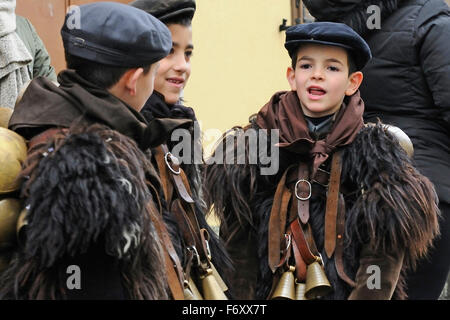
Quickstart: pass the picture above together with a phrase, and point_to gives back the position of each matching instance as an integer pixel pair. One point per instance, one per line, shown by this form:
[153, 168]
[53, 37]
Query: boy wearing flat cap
[166, 102]
[91, 224]
[340, 219]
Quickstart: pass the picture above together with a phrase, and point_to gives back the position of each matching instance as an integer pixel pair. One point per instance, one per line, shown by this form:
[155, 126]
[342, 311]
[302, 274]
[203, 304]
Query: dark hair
[350, 60]
[183, 20]
[103, 76]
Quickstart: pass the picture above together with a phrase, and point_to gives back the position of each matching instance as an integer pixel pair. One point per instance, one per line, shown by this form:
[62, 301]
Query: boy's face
[145, 85]
[175, 69]
[321, 79]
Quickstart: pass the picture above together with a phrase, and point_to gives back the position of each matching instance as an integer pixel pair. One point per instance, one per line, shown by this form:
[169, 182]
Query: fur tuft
[87, 189]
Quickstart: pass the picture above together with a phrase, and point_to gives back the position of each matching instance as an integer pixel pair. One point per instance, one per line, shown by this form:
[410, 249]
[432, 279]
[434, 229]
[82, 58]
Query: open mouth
[316, 91]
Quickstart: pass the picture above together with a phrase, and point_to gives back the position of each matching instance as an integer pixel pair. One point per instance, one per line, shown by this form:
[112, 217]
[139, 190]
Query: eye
[188, 54]
[333, 68]
[304, 66]
[172, 51]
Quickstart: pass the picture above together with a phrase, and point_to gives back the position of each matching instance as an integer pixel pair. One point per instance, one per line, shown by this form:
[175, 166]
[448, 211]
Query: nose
[181, 65]
[317, 74]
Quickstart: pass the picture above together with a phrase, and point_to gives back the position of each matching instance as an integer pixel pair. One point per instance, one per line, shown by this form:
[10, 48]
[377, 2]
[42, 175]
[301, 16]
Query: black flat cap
[115, 34]
[166, 10]
[329, 33]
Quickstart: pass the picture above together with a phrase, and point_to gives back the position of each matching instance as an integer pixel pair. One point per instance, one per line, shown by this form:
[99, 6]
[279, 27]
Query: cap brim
[293, 44]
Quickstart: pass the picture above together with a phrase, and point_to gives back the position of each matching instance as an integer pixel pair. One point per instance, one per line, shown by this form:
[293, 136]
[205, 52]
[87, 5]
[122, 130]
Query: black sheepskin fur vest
[86, 194]
[379, 180]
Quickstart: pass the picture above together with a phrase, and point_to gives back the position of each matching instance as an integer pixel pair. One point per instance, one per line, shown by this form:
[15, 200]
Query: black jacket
[406, 83]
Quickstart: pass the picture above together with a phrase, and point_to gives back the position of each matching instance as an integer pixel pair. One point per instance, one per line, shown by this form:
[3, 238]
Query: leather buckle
[296, 188]
[174, 160]
[322, 176]
[194, 252]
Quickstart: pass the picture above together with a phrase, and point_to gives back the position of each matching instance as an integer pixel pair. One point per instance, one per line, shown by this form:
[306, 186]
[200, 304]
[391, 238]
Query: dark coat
[406, 82]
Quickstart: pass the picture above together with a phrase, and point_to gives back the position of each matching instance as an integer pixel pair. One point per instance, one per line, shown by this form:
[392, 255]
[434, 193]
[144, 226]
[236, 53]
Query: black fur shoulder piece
[229, 187]
[396, 207]
[86, 189]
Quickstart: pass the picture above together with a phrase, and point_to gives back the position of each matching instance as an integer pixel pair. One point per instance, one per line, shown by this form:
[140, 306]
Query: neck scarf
[284, 112]
[15, 58]
[156, 107]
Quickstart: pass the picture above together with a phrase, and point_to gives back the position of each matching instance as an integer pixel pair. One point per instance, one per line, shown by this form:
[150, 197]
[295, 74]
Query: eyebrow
[328, 60]
[176, 44]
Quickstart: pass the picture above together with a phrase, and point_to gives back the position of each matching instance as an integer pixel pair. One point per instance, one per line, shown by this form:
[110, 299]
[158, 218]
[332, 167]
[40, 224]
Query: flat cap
[166, 10]
[329, 33]
[115, 34]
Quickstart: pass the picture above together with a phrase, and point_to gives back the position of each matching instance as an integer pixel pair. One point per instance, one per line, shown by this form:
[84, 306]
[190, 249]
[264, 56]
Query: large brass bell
[403, 139]
[317, 284]
[286, 286]
[9, 214]
[190, 291]
[13, 152]
[21, 226]
[211, 288]
[5, 115]
[300, 289]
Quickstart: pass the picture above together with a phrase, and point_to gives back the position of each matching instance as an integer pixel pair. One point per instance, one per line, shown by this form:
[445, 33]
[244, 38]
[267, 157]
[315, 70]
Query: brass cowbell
[211, 288]
[300, 289]
[286, 286]
[190, 291]
[317, 284]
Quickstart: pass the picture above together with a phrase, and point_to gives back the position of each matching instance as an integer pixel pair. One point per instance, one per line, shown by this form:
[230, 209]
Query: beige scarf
[14, 56]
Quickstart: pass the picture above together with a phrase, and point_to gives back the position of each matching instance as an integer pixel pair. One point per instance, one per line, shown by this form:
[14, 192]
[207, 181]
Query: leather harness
[291, 207]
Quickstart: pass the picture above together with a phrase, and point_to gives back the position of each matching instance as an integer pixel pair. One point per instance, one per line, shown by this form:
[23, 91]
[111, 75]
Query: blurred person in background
[406, 84]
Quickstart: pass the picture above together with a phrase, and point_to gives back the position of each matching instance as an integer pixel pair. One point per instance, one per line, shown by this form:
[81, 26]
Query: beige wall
[239, 60]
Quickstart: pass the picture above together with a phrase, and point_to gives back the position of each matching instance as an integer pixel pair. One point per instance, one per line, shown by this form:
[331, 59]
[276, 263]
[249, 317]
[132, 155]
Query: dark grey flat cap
[166, 10]
[329, 33]
[115, 34]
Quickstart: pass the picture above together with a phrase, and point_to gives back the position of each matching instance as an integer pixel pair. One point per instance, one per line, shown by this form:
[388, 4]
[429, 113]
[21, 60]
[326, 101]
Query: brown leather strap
[300, 265]
[303, 191]
[338, 255]
[332, 204]
[174, 270]
[163, 173]
[277, 222]
[176, 177]
[301, 242]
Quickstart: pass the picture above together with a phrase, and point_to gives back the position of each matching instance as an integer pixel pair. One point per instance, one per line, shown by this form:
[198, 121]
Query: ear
[354, 81]
[290, 75]
[130, 79]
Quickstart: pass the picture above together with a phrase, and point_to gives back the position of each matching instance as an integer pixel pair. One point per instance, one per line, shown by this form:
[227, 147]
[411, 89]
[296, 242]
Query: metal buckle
[319, 259]
[289, 240]
[195, 253]
[208, 251]
[296, 194]
[174, 161]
